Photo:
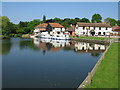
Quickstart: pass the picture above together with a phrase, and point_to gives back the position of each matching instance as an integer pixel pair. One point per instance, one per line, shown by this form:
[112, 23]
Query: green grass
[106, 75]
[93, 38]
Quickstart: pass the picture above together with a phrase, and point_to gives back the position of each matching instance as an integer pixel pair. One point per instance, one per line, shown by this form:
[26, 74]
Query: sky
[27, 11]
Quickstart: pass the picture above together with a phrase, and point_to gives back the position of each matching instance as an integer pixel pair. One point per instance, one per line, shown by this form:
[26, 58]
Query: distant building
[116, 30]
[71, 30]
[51, 28]
[92, 29]
[55, 28]
[40, 28]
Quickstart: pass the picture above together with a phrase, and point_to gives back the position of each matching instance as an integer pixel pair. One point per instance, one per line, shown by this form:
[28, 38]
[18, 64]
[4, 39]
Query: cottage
[91, 29]
[51, 28]
[71, 31]
[55, 28]
[40, 28]
[116, 30]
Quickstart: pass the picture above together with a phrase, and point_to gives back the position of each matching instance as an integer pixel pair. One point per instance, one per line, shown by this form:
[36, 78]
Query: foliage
[44, 18]
[96, 18]
[10, 29]
[111, 21]
[85, 20]
[118, 23]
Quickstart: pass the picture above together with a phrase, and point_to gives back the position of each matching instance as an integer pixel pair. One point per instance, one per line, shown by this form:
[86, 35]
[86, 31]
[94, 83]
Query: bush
[12, 35]
[17, 35]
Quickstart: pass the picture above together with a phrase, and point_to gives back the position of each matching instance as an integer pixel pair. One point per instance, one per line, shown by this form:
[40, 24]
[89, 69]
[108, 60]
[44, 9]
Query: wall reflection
[78, 47]
[48, 45]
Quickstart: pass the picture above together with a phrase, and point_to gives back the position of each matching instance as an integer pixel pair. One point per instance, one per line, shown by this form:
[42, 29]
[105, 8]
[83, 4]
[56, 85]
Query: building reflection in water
[78, 47]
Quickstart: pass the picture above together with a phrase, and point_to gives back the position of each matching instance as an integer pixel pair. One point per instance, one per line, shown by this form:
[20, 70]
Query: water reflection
[6, 46]
[45, 63]
[78, 47]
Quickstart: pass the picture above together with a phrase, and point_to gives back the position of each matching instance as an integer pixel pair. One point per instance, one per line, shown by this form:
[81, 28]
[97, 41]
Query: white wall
[81, 31]
[55, 30]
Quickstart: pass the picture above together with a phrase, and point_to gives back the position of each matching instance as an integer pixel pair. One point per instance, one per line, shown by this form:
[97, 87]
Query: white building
[51, 28]
[92, 29]
[55, 28]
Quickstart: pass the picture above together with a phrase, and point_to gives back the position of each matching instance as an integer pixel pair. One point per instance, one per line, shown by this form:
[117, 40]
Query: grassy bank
[106, 75]
[4, 37]
[15, 35]
[93, 38]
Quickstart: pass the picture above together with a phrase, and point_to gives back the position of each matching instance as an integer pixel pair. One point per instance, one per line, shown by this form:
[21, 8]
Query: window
[99, 28]
[83, 32]
[83, 28]
[104, 33]
[106, 28]
[99, 33]
[94, 28]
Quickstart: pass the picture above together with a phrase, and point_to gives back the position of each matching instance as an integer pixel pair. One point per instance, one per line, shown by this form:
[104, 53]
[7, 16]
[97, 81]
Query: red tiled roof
[44, 25]
[72, 28]
[116, 27]
[93, 24]
[55, 25]
[42, 29]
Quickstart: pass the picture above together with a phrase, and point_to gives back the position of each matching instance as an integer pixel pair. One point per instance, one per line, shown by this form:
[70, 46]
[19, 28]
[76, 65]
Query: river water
[45, 63]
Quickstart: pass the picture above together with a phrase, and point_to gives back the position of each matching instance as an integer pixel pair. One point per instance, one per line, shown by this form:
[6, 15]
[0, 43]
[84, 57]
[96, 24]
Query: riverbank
[97, 40]
[15, 35]
[106, 75]
[94, 38]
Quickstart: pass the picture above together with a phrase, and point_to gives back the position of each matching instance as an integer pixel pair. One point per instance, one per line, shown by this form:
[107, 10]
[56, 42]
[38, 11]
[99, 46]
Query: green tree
[111, 21]
[57, 20]
[44, 18]
[96, 18]
[118, 23]
[85, 20]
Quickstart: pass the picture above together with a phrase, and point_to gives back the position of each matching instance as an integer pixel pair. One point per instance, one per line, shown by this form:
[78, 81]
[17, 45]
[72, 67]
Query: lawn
[106, 75]
[93, 38]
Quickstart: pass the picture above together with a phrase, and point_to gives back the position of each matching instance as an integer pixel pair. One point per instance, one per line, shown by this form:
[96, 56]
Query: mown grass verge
[94, 38]
[106, 75]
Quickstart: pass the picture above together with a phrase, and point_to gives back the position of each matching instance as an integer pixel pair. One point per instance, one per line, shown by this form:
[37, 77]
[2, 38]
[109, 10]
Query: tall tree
[44, 18]
[85, 20]
[118, 23]
[111, 21]
[6, 26]
[96, 18]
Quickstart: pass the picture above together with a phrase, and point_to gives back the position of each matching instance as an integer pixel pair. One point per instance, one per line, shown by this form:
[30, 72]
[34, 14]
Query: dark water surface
[36, 63]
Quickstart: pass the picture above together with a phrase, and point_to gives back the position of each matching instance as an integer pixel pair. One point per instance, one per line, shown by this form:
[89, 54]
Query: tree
[111, 21]
[7, 26]
[96, 18]
[57, 20]
[44, 18]
[85, 20]
[49, 21]
[118, 23]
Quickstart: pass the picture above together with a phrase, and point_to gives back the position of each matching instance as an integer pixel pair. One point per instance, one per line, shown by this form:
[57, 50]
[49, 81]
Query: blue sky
[27, 11]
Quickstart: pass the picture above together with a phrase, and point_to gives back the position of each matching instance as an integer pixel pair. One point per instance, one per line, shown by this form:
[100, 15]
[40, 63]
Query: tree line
[10, 29]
